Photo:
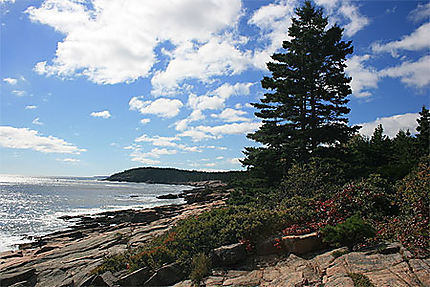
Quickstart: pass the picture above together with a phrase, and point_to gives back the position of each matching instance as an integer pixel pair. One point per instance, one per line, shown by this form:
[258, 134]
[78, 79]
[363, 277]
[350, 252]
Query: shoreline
[65, 258]
[52, 221]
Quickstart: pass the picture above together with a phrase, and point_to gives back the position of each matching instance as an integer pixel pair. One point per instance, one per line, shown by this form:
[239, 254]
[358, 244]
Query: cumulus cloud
[213, 100]
[151, 157]
[10, 81]
[103, 114]
[30, 107]
[24, 138]
[162, 107]
[273, 20]
[217, 57]
[69, 160]
[235, 161]
[356, 21]
[416, 74]
[37, 121]
[158, 140]
[215, 132]
[19, 93]
[124, 34]
[342, 10]
[166, 142]
[145, 121]
[392, 125]
[231, 115]
[422, 12]
[363, 77]
[417, 40]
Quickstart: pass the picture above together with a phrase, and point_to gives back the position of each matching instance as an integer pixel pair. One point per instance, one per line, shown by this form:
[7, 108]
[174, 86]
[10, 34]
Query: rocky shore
[66, 258]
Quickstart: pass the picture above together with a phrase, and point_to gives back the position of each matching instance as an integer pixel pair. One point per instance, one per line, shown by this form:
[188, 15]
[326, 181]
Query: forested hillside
[172, 175]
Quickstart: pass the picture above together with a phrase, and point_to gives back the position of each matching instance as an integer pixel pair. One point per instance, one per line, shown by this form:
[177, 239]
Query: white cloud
[215, 132]
[217, 57]
[392, 124]
[166, 142]
[19, 93]
[422, 12]
[30, 107]
[69, 160]
[363, 78]
[162, 107]
[148, 157]
[24, 138]
[103, 114]
[219, 157]
[157, 152]
[235, 161]
[196, 115]
[145, 121]
[213, 100]
[417, 40]
[357, 21]
[158, 140]
[346, 10]
[124, 34]
[215, 147]
[37, 121]
[273, 20]
[7, 1]
[231, 115]
[416, 74]
[10, 81]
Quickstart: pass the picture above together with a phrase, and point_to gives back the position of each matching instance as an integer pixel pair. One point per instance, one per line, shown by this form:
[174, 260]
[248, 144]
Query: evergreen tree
[423, 130]
[304, 115]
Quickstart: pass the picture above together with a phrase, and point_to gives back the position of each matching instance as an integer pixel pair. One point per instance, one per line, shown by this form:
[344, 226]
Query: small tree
[304, 115]
[423, 130]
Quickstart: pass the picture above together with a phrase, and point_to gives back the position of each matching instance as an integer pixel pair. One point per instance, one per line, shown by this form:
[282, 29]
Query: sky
[93, 87]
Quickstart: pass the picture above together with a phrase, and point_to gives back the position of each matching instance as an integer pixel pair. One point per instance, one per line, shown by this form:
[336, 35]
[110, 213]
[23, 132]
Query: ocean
[31, 205]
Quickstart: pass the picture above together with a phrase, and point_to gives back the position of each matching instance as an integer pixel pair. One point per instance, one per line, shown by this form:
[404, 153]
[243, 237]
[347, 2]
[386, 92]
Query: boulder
[228, 255]
[136, 278]
[269, 246]
[168, 196]
[301, 244]
[106, 279]
[166, 275]
[28, 276]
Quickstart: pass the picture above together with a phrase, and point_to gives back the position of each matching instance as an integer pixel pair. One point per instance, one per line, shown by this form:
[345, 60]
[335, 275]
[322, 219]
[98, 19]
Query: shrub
[412, 226]
[201, 234]
[360, 280]
[200, 268]
[349, 233]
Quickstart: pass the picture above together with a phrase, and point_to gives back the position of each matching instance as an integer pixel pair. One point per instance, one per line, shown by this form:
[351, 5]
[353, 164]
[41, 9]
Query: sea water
[31, 206]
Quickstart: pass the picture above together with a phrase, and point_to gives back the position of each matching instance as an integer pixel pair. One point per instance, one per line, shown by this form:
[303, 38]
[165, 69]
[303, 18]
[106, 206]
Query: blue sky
[92, 87]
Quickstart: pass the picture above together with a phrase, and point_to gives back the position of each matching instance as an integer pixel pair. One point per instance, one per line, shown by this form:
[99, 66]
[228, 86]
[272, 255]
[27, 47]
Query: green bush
[360, 280]
[201, 267]
[349, 233]
[201, 234]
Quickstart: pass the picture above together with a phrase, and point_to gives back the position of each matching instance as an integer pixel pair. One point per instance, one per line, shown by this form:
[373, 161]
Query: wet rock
[168, 196]
[106, 279]
[24, 277]
[166, 275]
[228, 255]
[45, 249]
[136, 278]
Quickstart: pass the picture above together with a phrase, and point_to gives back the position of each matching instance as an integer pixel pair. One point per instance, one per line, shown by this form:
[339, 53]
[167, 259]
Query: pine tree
[304, 115]
[423, 130]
